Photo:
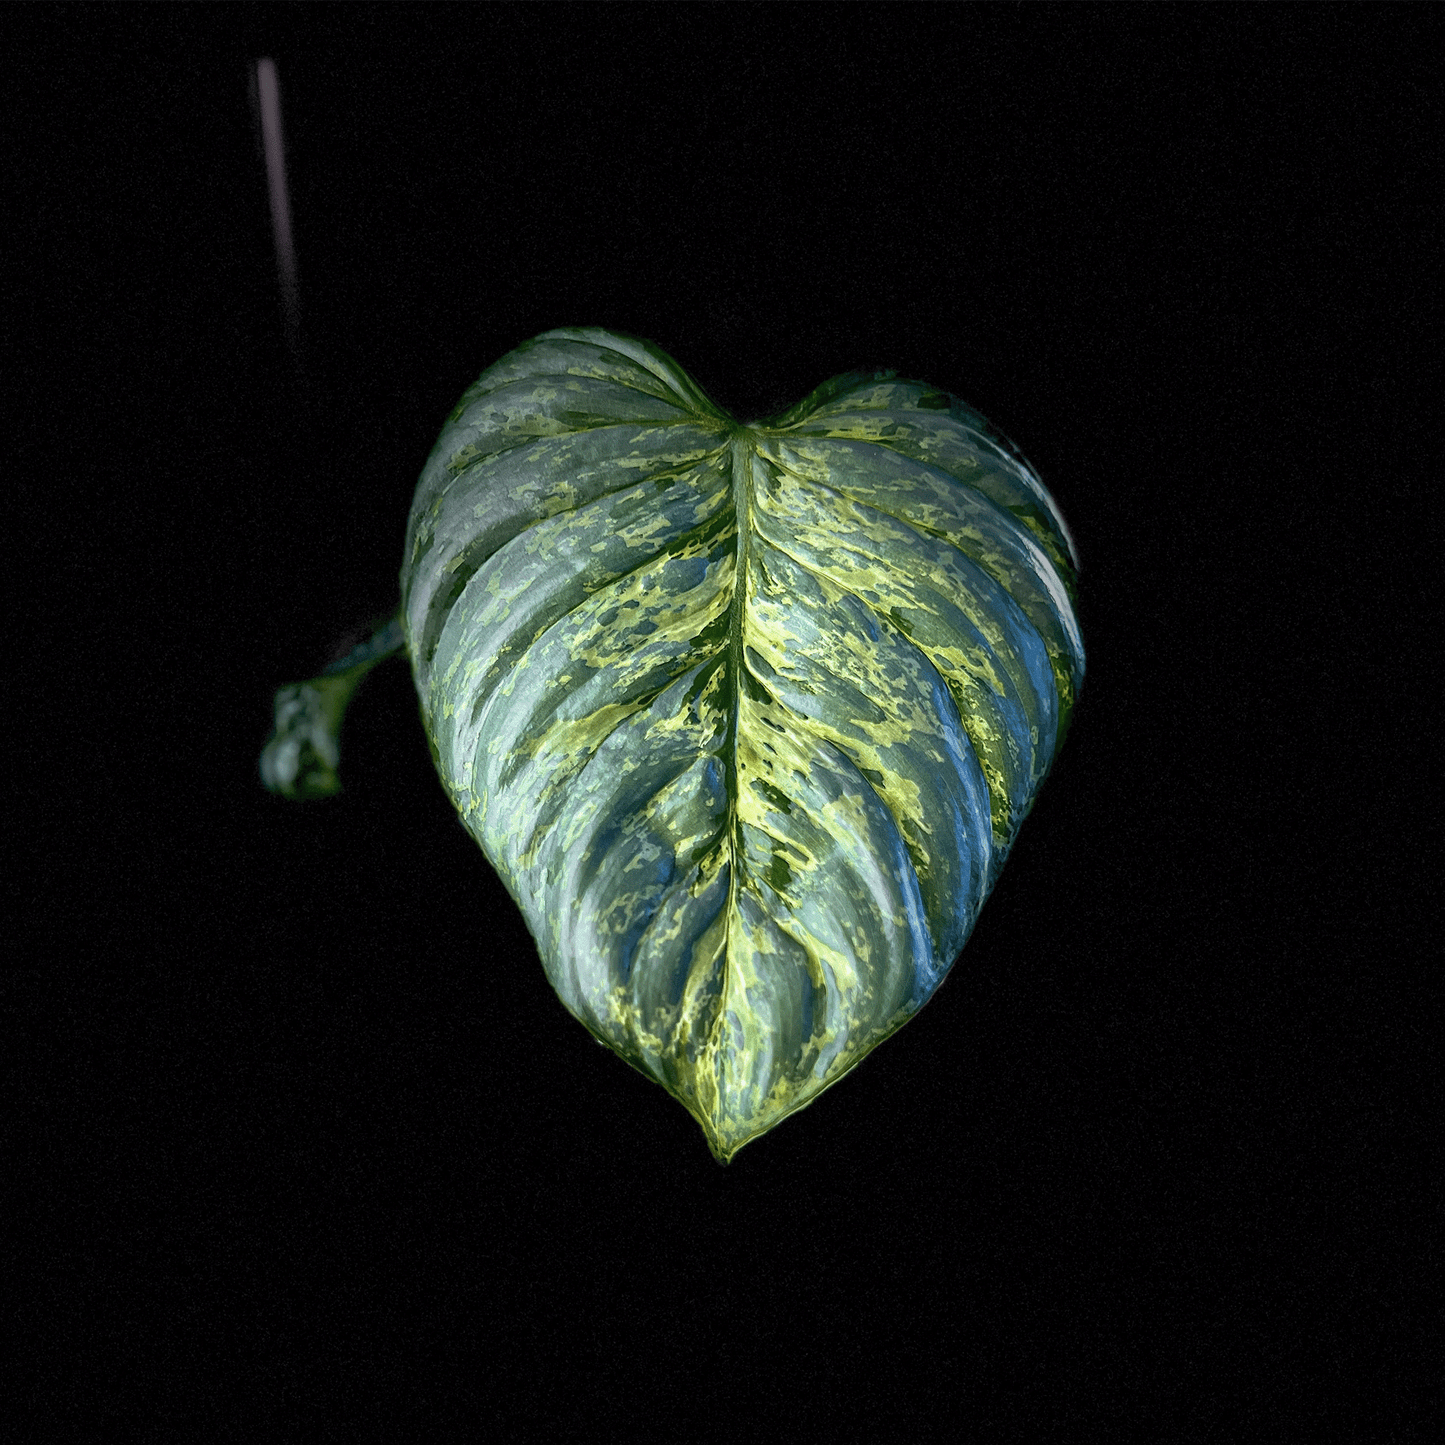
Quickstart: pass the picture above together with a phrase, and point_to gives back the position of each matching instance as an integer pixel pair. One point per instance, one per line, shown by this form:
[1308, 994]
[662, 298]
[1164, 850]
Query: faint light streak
[268, 93]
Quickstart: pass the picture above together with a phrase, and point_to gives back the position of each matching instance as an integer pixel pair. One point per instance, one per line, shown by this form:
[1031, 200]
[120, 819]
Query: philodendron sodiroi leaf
[744, 716]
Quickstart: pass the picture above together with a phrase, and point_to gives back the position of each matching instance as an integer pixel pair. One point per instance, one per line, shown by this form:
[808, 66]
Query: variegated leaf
[745, 716]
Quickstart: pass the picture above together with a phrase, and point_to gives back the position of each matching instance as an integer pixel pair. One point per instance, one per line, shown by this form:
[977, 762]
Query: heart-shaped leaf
[745, 716]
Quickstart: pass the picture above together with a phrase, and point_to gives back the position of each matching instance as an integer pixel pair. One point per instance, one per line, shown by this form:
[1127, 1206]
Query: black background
[319, 1154]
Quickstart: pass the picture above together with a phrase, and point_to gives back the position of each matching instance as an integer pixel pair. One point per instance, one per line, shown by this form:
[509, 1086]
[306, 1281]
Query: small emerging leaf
[302, 756]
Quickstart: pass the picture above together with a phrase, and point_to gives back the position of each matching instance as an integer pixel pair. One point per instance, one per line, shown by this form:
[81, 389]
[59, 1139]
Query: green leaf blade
[746, 718]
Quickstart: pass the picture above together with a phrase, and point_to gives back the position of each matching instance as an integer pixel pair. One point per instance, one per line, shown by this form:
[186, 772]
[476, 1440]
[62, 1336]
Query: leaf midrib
[740, 450]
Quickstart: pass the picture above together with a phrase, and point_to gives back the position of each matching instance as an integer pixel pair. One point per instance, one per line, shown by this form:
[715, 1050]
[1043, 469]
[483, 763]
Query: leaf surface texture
[746, 717]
